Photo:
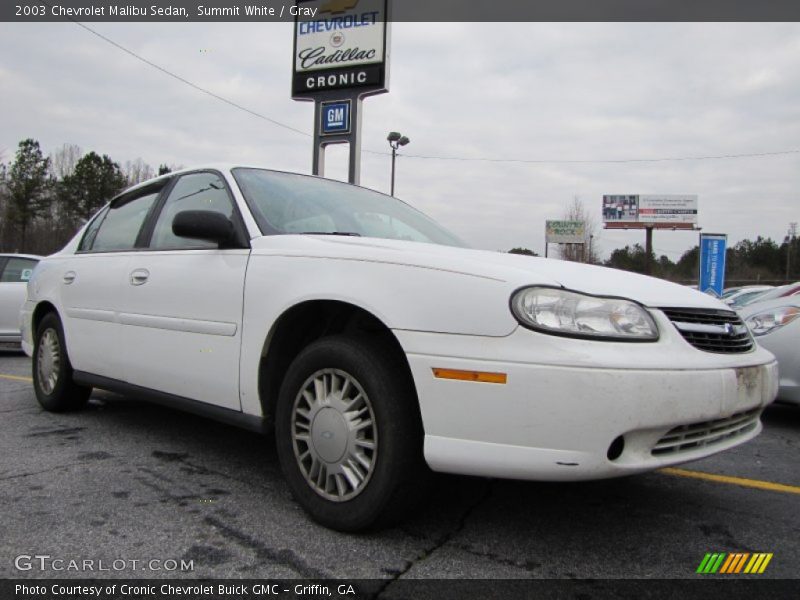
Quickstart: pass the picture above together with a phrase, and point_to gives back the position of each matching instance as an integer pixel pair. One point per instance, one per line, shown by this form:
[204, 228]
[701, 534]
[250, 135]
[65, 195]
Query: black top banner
[407, 10]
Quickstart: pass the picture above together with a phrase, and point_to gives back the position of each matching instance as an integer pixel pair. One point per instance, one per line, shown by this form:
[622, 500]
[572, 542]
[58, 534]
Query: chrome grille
[719, 331]
[698, 435]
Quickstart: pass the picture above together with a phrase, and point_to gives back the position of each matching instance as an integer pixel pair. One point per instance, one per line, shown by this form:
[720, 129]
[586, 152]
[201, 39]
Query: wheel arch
[306, 322]
[42, 309]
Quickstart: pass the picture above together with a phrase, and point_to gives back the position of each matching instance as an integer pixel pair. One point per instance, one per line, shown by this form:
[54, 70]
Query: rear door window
[122, 223]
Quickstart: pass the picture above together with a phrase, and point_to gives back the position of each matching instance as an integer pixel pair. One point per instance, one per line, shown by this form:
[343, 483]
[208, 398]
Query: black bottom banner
[410, 589]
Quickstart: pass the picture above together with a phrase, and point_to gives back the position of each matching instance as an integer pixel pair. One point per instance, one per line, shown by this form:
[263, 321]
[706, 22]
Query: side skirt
[203, 409]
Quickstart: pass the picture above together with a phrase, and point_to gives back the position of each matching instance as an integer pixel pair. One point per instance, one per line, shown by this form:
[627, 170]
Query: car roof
[230, 166]
[205, 167]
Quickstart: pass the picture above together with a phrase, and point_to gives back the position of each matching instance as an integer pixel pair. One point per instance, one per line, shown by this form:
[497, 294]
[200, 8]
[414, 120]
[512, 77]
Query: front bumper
[555, 422]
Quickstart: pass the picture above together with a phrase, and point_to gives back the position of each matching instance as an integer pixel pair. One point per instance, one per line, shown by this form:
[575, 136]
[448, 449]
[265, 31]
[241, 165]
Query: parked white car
[375, 345]
[15, 271]
[776, 326]
[743, 294]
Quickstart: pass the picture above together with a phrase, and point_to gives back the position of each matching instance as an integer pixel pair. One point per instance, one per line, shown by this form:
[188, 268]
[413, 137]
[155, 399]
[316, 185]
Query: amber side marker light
[482, 376]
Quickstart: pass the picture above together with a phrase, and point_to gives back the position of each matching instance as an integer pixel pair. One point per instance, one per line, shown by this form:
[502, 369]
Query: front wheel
[349, 434]
[52, 372]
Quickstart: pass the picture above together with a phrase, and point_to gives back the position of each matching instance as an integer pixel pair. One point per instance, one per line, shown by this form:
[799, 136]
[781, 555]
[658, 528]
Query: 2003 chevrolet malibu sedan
[377, 347]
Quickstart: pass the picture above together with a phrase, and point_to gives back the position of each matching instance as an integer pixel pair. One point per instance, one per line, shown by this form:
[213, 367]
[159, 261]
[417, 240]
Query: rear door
[182, 301]
[15, 271]
[93, 283]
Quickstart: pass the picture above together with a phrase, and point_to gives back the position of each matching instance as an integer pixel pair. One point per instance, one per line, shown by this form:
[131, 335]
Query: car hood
[516, 270]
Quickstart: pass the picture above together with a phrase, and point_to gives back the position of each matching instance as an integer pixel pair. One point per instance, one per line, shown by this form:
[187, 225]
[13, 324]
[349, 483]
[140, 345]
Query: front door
[182, 307]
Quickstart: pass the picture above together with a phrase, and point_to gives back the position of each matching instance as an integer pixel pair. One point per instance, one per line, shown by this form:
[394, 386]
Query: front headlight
[770, 320]
[562, 312]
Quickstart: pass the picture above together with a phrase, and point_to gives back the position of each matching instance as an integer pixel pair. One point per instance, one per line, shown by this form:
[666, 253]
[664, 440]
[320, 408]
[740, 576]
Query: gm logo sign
[335, 117]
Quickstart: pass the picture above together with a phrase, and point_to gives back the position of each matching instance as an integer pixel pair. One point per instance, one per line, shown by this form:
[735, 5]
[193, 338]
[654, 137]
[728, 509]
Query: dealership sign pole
[341, 56]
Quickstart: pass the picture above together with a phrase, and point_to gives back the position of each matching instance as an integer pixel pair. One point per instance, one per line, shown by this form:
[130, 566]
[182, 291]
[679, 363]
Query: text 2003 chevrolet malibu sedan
[375, 344]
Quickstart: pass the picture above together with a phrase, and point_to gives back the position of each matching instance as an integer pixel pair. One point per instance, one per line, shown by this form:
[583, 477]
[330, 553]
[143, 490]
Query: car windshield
[285, 203]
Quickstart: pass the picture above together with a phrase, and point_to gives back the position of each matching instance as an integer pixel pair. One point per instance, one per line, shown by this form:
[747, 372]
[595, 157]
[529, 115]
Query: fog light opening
[616, 448]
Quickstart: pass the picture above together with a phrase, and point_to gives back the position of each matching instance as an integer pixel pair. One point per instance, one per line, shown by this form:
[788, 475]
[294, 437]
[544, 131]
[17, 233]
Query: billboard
[565, 232]
[339, 44]
[677, 211]
[712, 263]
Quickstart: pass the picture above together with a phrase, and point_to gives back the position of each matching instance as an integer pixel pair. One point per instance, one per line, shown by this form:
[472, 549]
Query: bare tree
[58, 226]
[63, 161]
[137, 171]
[588, 251]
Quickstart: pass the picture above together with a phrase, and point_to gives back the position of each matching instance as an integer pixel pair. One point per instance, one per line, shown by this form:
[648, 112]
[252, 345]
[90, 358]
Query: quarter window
[91, 231]
[198, 191]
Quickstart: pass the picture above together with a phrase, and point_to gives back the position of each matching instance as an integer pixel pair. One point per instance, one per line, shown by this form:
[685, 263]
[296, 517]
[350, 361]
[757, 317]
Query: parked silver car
[15, 271]
[776, 326]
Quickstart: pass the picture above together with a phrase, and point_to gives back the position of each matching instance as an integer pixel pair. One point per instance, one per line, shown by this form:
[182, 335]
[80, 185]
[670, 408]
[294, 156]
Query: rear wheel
[349, 435]
[55, 389]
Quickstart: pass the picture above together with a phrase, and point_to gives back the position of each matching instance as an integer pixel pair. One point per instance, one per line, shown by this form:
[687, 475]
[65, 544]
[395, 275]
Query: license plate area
[749, 386]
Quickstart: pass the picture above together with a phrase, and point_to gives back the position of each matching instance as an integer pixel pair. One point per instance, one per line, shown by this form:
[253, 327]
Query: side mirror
[207, 225]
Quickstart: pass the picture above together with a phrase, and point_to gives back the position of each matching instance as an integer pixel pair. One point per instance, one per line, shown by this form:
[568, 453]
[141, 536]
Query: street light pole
[394, 157]
[395, 141]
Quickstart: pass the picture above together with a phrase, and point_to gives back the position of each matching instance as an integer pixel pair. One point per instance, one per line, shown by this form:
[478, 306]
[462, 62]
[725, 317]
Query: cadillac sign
[342, 46]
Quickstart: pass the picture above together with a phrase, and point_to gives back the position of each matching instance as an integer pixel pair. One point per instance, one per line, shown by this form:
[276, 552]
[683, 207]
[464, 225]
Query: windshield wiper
[352, 233]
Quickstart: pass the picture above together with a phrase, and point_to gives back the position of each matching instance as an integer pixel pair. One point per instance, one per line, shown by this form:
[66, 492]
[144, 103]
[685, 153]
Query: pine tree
[27, 187]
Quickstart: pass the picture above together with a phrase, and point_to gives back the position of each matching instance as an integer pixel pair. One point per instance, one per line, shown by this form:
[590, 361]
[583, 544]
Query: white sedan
[15, 271]
[376, 346]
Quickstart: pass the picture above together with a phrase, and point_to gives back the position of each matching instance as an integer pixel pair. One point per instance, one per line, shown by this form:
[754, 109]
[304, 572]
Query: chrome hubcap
[48, 361]
[334, 435]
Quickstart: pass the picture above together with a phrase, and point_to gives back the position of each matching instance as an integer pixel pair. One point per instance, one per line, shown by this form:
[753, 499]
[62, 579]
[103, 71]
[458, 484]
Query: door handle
[139, 276]
[69, 277]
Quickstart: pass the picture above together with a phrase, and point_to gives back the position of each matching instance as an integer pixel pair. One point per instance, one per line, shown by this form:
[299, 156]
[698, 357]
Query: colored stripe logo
[734, 563]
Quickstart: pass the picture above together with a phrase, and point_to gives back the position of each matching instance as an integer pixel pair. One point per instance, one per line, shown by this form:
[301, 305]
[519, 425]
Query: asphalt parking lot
[128, 480]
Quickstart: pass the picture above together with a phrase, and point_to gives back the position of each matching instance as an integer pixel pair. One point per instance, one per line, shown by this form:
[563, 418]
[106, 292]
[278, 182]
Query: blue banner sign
[712, 263]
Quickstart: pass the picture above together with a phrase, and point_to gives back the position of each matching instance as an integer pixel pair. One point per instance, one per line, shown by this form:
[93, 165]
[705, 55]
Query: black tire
[63, 394]
[398, 477]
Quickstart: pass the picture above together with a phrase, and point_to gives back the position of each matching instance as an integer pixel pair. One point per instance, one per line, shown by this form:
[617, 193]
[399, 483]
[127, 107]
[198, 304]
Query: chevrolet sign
[342, 46]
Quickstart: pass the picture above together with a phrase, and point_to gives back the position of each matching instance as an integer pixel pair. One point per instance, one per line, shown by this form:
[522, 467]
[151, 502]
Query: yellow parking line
[16, 378]
[741, 481]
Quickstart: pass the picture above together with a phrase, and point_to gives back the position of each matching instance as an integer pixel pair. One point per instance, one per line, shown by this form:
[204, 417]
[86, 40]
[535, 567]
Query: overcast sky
[533, 91]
